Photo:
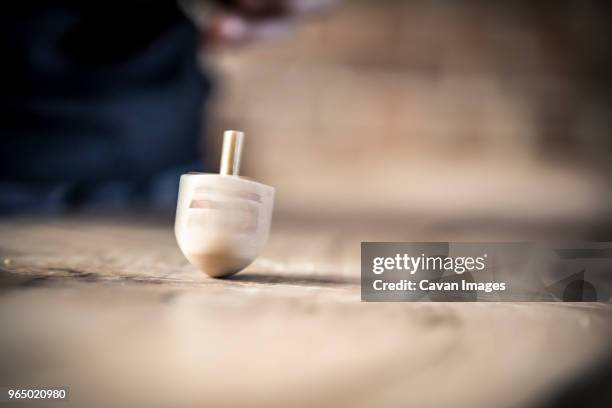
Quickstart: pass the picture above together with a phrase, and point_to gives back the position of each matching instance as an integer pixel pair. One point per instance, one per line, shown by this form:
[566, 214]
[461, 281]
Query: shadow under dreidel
[294, 279]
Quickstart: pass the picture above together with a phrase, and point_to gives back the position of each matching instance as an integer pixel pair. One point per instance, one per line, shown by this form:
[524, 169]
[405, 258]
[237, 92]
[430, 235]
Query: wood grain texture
[110, 308]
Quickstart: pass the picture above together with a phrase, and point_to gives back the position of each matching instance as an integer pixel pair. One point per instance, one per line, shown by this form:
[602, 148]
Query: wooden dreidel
[223, 220]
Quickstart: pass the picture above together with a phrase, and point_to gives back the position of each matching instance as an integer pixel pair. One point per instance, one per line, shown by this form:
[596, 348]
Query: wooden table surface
[110, 308]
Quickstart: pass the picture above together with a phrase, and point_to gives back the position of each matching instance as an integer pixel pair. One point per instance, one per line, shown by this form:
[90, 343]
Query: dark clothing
[101, 104]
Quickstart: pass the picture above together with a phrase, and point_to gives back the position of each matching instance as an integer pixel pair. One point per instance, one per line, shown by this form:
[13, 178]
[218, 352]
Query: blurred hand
[241, 21]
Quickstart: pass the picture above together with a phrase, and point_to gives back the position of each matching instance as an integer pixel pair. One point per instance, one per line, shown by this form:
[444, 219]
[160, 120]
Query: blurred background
[463, 115]
[488, 114]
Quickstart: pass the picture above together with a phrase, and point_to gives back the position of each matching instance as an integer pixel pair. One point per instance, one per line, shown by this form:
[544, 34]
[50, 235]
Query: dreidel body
[223, 220]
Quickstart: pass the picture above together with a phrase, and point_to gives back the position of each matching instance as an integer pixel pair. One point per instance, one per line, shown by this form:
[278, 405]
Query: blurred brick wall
[455, 109]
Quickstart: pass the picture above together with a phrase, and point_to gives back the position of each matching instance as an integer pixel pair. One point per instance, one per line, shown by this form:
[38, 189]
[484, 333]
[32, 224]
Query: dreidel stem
[231, 153]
